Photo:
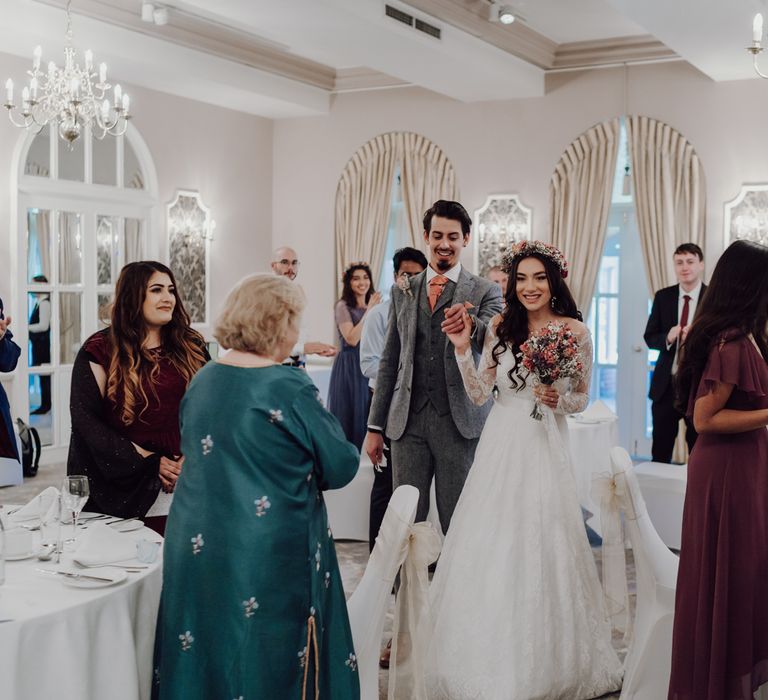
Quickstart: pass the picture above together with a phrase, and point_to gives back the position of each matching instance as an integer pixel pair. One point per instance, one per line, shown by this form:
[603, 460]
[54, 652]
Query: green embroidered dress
[252, 606]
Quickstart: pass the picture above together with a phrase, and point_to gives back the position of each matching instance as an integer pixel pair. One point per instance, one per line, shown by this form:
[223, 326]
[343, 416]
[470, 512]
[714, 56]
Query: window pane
[40, 406]
[105, 161]
[104, 302]
[39, 155]
[106, 236]
[70, 325]
[72, 159]
[39, 309]
[608, 277]
[608, 330]
[70, 248]
[133, 177]
[38, 245]
[133, 241]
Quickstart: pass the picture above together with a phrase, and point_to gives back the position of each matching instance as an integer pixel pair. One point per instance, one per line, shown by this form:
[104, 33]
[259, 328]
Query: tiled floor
[352, 555]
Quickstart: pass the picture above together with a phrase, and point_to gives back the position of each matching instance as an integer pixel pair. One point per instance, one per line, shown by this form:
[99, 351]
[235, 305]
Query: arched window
[82, 213]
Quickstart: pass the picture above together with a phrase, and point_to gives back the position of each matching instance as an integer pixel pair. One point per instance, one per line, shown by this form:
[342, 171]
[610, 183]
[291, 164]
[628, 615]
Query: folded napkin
[48, 499]
[597, 411]
[101, 544]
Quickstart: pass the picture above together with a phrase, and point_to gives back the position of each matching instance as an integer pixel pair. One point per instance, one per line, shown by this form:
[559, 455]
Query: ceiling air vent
[399, 15]
[428, 28]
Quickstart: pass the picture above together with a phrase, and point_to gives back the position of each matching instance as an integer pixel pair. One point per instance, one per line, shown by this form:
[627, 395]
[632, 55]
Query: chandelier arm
[757, 68]
[22, 125]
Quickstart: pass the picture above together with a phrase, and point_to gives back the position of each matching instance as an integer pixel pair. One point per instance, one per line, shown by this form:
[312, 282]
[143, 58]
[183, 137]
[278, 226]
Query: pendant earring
[552, 302]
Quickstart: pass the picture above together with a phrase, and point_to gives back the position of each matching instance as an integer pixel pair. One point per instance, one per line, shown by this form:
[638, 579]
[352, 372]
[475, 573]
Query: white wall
[509, 146]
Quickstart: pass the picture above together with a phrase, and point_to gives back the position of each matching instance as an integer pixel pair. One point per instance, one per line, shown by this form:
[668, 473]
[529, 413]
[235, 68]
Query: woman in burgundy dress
[720, 641]
[127, 383]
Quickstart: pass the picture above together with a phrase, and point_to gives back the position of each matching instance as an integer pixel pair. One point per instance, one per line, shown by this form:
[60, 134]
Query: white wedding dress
[516, 601]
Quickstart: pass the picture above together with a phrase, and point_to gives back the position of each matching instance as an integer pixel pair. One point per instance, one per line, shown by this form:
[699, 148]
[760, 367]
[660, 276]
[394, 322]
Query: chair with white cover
[368, 605]
[648, 662]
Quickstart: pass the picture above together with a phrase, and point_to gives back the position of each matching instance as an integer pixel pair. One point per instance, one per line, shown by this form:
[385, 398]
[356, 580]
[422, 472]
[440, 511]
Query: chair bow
[412, 623]
[611, 492]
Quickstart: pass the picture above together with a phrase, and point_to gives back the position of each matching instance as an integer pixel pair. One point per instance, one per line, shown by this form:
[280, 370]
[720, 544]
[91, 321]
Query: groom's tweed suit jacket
[410, 325]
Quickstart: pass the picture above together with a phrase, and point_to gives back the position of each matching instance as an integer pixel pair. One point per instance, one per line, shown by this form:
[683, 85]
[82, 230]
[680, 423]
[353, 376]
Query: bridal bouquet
[551, 353]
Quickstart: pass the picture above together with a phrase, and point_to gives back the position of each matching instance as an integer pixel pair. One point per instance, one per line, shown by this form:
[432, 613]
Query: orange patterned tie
[436, 285]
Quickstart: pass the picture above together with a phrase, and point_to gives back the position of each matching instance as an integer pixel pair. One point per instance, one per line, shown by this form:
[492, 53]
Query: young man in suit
[671, 315]
[420, 400]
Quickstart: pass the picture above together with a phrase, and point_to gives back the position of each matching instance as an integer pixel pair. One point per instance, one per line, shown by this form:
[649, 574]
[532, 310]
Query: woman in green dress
[253, 606]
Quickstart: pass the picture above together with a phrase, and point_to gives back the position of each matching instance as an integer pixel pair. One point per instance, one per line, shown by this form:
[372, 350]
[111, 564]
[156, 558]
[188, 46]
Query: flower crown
[525, 249]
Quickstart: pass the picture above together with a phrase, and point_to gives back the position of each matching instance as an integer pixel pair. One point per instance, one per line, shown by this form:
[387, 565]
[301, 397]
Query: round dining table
[63, 640]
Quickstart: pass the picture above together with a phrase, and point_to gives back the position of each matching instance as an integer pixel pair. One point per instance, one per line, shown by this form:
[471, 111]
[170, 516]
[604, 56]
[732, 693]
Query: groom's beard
[443, 264]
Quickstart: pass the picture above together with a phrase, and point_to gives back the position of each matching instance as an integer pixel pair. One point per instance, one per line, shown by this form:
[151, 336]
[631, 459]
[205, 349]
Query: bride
[516, 598]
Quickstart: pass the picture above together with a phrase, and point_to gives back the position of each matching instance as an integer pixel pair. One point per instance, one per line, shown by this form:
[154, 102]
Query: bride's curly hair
[131, 361]
[513, 329]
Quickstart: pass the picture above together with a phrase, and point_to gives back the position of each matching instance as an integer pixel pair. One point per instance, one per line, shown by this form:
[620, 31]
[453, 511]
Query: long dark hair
[513, 330]
[128, 331]
[736, 299]
[347, 295]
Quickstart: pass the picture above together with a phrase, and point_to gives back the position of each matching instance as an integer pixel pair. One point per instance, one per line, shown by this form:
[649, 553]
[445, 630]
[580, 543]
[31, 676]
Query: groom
[420, 400]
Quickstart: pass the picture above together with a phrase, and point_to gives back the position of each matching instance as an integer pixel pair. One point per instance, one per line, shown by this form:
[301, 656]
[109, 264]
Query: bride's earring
[552, 302]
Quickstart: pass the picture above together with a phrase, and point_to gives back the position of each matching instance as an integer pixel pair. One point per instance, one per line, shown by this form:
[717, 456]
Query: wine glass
[74, 494]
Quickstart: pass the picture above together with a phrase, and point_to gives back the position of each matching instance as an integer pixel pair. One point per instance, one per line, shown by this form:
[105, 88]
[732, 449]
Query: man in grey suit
[420, 400]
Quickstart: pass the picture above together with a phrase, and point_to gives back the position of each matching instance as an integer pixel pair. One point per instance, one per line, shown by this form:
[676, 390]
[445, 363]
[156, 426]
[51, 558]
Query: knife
[72, 574]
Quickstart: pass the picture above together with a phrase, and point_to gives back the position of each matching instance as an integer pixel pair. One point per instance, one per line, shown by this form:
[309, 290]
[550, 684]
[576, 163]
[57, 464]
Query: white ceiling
[343, 34]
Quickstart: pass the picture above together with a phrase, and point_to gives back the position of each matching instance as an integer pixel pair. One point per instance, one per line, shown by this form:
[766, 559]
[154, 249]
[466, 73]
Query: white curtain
[579, 202]
[363, 195]
[670, 200]
[669, 194]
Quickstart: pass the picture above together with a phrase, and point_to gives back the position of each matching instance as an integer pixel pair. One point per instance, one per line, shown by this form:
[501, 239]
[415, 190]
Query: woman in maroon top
[720, 640]
[127, 383]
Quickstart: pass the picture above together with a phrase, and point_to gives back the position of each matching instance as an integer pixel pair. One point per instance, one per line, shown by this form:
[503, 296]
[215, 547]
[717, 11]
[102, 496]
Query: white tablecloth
[590, 445]
[68, 643]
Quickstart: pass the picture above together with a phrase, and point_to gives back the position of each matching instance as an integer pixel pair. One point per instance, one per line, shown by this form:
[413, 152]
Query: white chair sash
[612, 494]
[413, 623]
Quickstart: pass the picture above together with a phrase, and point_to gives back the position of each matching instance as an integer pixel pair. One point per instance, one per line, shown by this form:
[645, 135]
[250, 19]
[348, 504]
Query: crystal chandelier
[71, 97]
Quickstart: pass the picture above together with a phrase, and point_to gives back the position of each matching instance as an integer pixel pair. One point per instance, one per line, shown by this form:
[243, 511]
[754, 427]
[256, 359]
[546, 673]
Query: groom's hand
[455, 319]
[374, 447]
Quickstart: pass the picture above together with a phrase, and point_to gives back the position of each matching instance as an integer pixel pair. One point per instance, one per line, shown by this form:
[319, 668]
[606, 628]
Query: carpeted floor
[352, 556]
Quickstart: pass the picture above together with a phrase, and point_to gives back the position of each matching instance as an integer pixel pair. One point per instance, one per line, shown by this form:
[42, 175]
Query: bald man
[285, 262]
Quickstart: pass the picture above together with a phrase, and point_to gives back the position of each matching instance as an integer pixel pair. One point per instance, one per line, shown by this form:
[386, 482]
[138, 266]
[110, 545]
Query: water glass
[50, 521]
[74, 494]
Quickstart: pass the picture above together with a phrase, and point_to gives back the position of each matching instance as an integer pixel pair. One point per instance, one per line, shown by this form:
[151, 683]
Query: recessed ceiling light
[506, 14]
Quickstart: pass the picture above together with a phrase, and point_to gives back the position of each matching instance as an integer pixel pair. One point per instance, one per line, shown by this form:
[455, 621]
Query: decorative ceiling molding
[191, 31]
[629, 49]
[358, 79]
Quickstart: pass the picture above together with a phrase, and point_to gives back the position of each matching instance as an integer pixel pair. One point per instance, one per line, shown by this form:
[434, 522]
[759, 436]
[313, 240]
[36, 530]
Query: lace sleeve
[574, 399]
[479, 381]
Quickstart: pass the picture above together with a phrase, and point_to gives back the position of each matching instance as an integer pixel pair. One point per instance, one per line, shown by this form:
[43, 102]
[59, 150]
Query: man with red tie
[671, 315]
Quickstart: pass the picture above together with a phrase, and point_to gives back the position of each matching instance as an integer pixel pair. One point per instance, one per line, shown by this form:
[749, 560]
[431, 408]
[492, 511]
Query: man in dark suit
[671, 315]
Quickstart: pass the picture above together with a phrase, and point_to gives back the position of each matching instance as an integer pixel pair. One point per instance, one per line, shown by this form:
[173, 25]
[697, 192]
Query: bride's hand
[461, 339]
[546, 395]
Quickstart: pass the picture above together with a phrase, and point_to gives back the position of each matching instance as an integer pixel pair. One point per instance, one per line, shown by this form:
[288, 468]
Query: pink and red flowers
[552, 353]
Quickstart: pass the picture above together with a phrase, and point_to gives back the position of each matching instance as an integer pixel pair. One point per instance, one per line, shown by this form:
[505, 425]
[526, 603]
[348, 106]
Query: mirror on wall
[189, 231]
[106, 239]
[499, 223]
[746, 216]
[133, 240]
[133, 177]
[104, 309]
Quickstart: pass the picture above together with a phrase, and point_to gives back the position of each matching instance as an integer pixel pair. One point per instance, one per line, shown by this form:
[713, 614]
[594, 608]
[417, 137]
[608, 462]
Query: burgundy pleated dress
[720, 640]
